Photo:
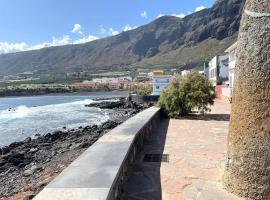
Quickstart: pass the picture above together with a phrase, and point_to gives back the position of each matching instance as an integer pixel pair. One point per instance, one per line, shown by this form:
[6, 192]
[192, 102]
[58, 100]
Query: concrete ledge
[99, 173]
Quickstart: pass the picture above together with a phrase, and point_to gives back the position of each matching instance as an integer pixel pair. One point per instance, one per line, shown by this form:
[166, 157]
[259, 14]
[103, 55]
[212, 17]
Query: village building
[232, 54]
[84, 85]
[185, 72]
[218, 69]
[206, 70]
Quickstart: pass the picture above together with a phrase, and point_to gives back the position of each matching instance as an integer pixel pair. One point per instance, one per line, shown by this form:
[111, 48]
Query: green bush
[144, 91]
[185, 93]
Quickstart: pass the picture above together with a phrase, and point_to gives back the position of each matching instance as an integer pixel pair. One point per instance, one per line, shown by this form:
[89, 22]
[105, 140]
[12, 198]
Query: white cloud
[55, 42]
[144, 14]
[181, 15]
[6, 47]
[107, 32]
[89, 38]
[77, 28]
[160, 15]
[128, 27]
[199, 8]
[113, 32]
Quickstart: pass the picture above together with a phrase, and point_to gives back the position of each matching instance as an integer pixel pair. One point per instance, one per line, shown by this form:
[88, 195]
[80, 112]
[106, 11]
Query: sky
[34, 24]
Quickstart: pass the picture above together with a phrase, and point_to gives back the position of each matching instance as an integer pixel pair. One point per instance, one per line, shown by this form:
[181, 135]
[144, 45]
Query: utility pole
[248, 166]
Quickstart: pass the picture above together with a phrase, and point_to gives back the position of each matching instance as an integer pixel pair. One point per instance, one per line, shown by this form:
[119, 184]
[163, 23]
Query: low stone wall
[99, 173]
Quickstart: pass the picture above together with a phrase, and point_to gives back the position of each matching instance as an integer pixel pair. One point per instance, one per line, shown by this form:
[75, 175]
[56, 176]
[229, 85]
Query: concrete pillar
[248, 166]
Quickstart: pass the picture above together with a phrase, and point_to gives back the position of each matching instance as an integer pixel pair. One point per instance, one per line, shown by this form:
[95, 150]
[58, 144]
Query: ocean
[22, 117]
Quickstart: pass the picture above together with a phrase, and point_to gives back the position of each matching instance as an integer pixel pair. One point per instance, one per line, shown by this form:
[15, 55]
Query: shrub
[144, 91]
[185, 93]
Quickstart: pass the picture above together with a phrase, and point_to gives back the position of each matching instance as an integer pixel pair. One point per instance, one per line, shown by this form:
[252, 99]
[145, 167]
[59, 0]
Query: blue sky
[33, 24]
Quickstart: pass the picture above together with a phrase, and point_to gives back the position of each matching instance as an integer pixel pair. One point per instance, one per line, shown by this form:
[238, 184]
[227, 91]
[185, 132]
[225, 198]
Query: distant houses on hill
[219, 70]
[108, 83]
[156, 80]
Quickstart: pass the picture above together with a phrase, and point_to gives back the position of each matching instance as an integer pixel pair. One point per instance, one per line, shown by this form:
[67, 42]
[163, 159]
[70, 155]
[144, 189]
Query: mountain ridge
[167, 38]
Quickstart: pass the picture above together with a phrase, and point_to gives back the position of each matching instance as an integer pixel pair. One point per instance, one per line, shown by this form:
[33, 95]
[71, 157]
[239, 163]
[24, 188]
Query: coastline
[27, 166]
[80, 93]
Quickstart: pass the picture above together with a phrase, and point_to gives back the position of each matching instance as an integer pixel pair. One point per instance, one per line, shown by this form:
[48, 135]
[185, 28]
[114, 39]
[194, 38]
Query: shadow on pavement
[143, 180]
[208, 117]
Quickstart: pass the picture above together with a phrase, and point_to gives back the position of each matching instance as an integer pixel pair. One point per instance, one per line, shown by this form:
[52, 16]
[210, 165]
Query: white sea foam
[83, 102]
[22, 121]
[24, 111]
[13, 113]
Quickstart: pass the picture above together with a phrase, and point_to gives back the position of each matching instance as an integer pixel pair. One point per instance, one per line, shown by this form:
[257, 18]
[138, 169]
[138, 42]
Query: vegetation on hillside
[186, 93]
[23, 91]
[167, 41]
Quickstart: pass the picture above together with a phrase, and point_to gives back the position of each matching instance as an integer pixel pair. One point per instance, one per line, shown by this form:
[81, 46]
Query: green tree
[185, 93]
[144, 91]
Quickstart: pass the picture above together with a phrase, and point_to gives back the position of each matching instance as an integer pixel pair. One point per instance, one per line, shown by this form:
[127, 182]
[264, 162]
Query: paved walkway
[197, 150]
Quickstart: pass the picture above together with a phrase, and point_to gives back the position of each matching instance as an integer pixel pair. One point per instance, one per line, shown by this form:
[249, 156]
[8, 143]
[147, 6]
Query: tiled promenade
[197, 150]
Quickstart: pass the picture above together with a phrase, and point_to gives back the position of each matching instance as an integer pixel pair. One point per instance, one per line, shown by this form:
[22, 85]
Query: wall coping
[93, 174]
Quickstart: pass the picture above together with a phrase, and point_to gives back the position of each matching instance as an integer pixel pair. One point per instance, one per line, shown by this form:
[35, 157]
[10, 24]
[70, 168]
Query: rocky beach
[27, 166]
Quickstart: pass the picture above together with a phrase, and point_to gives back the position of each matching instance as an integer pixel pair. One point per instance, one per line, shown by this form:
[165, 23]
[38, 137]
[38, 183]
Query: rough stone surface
[248, 164]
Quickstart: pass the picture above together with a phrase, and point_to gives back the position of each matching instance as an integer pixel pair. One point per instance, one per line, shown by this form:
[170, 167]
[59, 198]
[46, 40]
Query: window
[168, 80]
[157, 87]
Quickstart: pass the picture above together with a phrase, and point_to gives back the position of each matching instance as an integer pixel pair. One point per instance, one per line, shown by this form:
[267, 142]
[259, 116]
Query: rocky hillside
[167, 41]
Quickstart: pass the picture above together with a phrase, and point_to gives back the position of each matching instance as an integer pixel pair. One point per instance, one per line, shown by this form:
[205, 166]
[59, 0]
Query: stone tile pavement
[197, 151]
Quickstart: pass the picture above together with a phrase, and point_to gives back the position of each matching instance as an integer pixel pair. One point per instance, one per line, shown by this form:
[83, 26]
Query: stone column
[248, 166]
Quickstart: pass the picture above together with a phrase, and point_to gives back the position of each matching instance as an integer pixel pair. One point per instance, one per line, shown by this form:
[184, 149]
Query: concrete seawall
[99, 173]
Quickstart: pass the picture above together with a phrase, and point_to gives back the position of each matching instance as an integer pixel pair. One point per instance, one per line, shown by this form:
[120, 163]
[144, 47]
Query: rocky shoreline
[27, 166]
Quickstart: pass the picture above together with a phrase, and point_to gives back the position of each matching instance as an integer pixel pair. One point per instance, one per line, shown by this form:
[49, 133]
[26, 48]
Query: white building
[150, 75]
[218, 69]
[232, 51]
[111, 79]
[185, 72]
[160, 82]
[213, 71]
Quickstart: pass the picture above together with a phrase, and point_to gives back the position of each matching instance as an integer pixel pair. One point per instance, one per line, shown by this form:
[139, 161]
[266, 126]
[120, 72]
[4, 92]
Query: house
[185, 72]
[232, 54]
[219, 69]
[114, 85]
[142, 76]
[160, 81]
[85, 85]
[206, 70]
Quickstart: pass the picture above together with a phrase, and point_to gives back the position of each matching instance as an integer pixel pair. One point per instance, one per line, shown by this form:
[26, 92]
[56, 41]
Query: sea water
[22, 117]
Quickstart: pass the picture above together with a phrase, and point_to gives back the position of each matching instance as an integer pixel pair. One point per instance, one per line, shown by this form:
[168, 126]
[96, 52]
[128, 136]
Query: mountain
[166, 42]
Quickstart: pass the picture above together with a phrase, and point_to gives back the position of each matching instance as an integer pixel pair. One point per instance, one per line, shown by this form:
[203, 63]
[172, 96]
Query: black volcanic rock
[121, 103]
[165, 40]
[26, 166]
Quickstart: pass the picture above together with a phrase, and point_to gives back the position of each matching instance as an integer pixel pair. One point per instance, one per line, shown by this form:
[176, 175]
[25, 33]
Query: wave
[25, 121]
[23, 111]
[15, 113]
[82, 102]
